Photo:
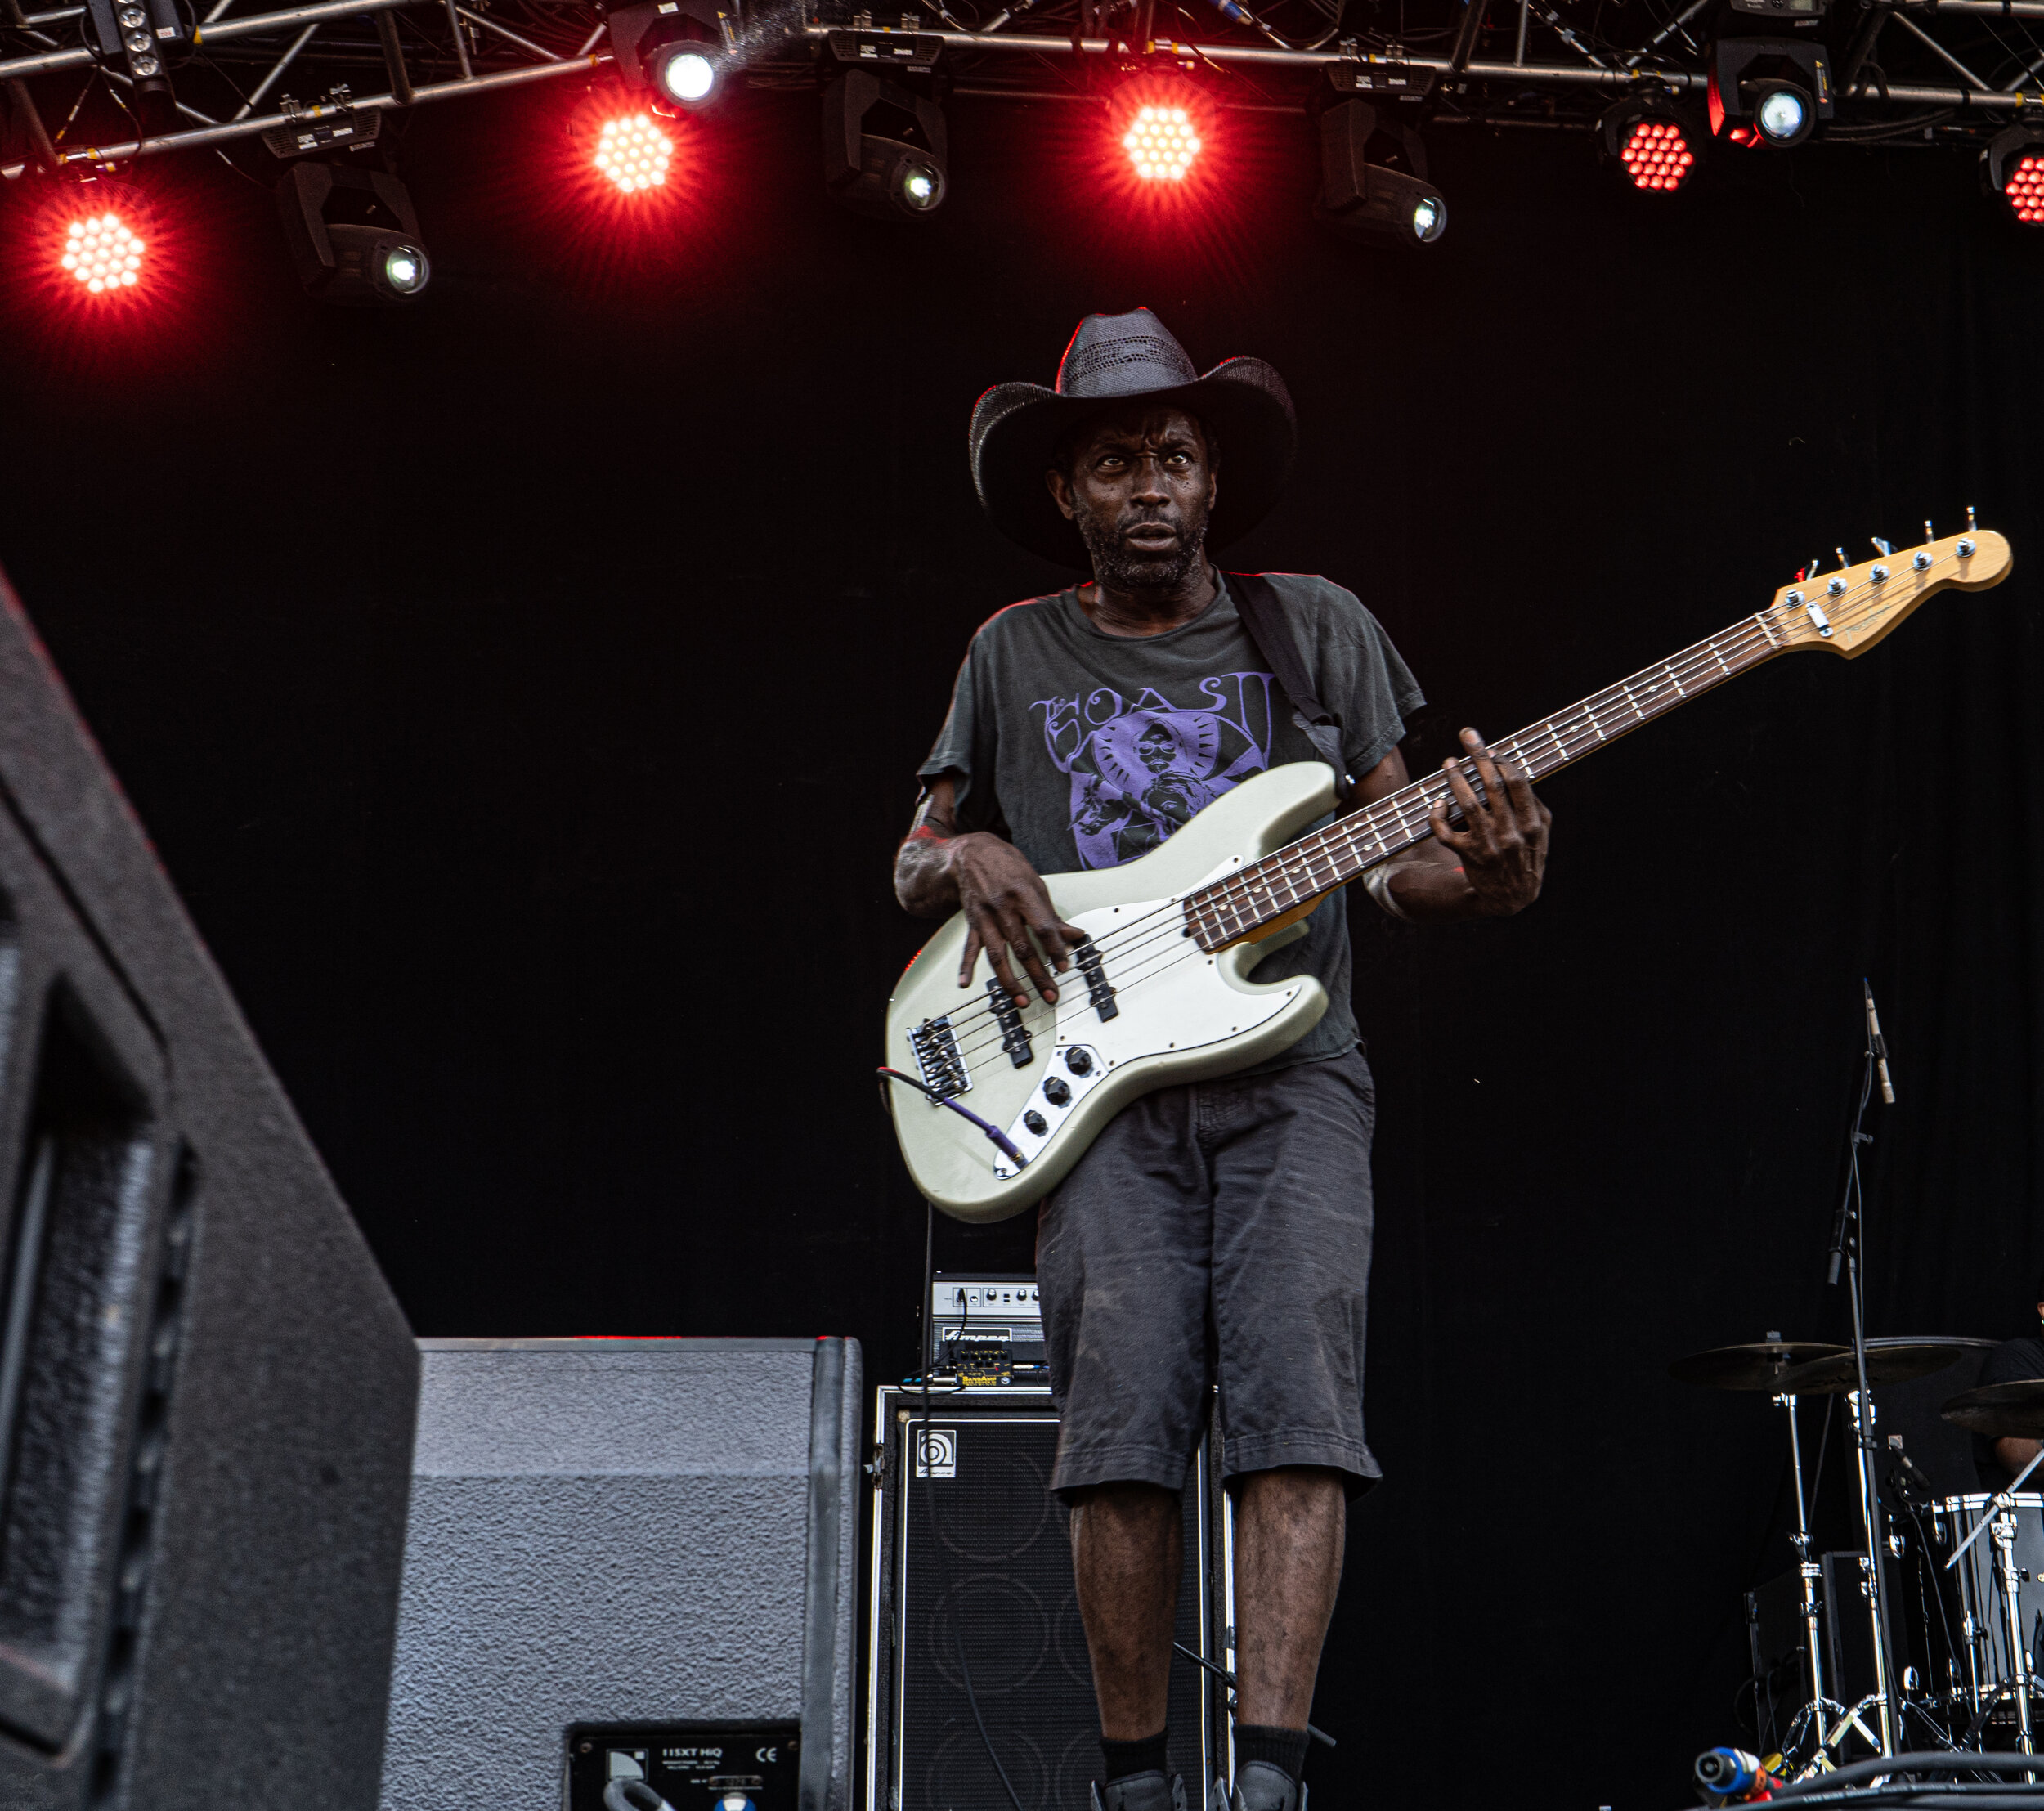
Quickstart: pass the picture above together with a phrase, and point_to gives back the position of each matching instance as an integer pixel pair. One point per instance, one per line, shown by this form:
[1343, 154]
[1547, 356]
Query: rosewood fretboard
[1269, 890]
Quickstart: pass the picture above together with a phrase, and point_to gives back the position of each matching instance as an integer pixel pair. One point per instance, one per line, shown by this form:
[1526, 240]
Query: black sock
[1265, 1741]
[1124, 1758]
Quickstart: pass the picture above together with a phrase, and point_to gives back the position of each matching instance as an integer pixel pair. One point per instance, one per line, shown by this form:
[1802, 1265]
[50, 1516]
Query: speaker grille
[984, 1555]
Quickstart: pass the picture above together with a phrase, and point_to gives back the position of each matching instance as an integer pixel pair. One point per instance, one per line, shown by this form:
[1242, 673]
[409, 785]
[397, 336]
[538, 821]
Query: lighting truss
[1936, 71]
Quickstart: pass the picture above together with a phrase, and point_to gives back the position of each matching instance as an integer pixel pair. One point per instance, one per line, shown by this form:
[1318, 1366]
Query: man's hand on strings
[1502, 845]
[940, 868]
[1004, 900]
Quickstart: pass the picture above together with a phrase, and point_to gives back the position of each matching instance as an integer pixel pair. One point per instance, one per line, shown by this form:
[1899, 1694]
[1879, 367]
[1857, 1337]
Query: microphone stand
[1845, 1249]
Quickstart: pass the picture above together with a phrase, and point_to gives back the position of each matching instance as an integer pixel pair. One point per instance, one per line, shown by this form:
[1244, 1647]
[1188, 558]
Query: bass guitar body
[1149, 1007]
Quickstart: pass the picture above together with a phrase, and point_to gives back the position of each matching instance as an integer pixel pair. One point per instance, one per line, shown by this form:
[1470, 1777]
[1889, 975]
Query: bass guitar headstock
[1850, 609]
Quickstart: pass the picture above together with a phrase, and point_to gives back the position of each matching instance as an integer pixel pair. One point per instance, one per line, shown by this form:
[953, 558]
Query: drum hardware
[2012, 1411]
[1787, 1370]
[1806, 1567]
[1848, 1373]
[2001, 1411]
[2000, 1669]
[1850, 1720]
[1762, 1365]
[2019, 1656]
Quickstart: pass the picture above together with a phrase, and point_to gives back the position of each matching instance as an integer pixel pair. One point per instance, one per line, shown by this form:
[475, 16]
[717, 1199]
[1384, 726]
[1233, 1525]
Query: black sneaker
[1149, 1791]
[1260, 1787]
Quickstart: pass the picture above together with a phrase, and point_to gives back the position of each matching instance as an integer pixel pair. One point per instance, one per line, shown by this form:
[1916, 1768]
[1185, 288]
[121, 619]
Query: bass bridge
[937, 1055]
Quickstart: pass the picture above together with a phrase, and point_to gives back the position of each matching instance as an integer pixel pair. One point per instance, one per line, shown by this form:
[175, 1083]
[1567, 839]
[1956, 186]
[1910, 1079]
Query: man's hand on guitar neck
[1491, 867]
[939, 870]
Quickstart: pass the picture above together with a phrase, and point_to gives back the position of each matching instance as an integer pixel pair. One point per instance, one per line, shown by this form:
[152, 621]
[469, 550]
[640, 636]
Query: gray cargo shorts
[1214, 1229]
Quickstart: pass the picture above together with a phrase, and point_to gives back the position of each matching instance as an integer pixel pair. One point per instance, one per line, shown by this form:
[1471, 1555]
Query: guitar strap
[1262, 614]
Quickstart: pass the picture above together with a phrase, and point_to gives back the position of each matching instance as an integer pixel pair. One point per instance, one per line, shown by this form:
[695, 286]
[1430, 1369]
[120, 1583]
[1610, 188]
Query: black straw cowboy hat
[1111, 358]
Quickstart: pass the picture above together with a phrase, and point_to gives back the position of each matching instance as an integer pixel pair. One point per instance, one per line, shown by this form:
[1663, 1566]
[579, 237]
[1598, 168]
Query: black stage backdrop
[524, 692]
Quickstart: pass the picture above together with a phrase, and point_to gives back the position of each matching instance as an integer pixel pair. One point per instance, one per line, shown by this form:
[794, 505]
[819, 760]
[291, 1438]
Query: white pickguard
[1183, 1014]
[1175, 999]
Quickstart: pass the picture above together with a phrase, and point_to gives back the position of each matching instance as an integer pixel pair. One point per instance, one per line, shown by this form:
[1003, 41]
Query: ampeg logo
[936, 1452]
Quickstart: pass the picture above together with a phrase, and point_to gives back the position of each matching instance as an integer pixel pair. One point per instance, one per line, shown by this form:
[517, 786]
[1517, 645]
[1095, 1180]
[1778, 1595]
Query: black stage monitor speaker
[206, 1390]
[625, 1553]
[972, 1581]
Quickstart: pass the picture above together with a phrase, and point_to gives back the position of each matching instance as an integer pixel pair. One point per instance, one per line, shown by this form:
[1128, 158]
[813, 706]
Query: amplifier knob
[1057, 1091]
[1078, 1062]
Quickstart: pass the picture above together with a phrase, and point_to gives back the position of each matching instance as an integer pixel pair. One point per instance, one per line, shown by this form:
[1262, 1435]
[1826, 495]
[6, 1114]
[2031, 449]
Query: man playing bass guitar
[1216, 1229]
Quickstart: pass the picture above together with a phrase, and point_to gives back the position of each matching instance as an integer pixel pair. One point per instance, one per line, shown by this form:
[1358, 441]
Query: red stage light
[1657, 155]
[2025, 190]
[1161, 142]
[634, 152]
[102, 253]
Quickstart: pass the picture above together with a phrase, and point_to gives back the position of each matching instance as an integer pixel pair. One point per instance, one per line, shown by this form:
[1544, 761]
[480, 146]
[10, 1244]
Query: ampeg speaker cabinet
[972, 1584]
[633, 1543]
[206, 1390]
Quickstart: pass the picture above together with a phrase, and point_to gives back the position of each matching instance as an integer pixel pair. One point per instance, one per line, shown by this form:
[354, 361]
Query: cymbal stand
[1848, 1719]
[2000, 1517]
[1845, 1247]
[1807, 1568]
[1861, 1406]
[2012, 1601]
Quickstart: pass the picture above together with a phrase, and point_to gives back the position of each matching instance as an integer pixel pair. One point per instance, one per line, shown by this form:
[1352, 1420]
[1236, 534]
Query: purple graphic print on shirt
[1139, 770]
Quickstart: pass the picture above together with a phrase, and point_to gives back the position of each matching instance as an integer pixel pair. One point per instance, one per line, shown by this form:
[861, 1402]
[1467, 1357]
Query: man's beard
[1126, 568]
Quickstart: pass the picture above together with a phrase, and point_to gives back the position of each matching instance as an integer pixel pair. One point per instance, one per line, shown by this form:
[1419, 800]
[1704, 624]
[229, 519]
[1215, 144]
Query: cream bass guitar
[993, 1104]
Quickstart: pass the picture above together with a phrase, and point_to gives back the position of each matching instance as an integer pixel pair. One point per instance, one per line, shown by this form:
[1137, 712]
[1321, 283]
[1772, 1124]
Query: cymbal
[1888, 1361]
[2001, 1409]
[1754, 1367]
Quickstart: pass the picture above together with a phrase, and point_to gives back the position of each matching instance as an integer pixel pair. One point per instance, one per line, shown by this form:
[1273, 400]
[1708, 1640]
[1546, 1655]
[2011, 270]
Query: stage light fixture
[884, 147]
[2012, 166]
[1649, 139]
[1374, 182]
[136, 38]
[102, 253]
[686, 73]
[679, 49]
[1162, 142]
[634, 152]
[353, 233]
[1768, 90]
[341, 127]
[1783, 113]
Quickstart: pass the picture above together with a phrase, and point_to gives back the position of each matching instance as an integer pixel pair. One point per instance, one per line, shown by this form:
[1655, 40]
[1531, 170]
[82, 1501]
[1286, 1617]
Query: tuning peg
[1882, 547]
[1930, 534]
[1842, 561]
[1809, 571]
[1972, 527]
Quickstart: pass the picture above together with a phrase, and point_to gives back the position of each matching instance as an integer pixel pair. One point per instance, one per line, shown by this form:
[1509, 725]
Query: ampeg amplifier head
[986, 1329]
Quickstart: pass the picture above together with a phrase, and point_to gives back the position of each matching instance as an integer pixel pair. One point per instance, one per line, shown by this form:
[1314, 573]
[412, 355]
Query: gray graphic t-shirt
[1086, 750]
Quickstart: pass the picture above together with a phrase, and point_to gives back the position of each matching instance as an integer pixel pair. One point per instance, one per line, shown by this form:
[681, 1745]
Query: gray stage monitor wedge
[206, 1388]
[624, 1532]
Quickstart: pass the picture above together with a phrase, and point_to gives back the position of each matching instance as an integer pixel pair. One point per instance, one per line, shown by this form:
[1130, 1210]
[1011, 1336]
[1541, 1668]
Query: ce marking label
[766, 1754]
